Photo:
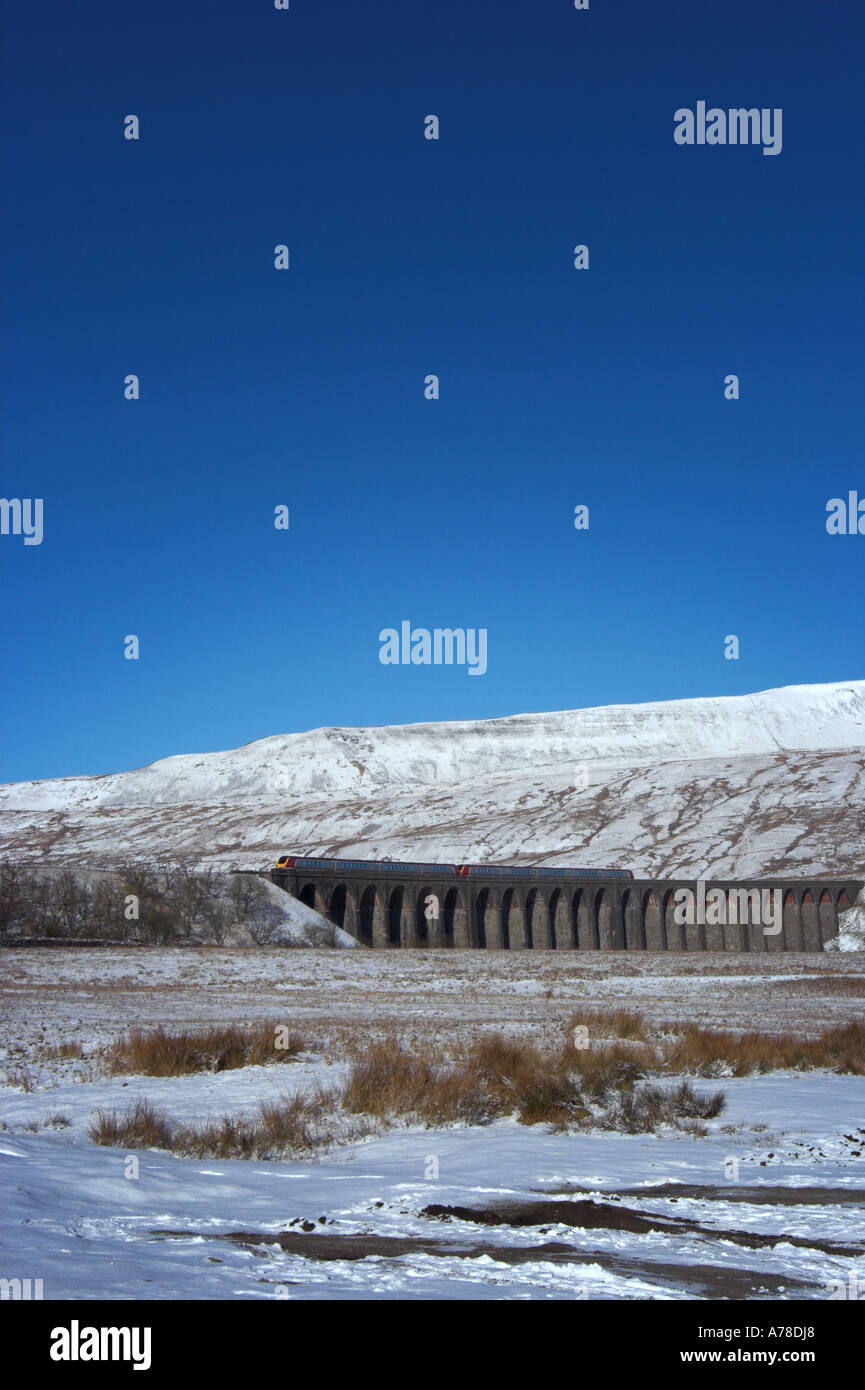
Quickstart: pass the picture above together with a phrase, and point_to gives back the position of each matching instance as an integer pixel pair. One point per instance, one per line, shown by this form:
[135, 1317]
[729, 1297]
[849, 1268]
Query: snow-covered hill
[736, 786]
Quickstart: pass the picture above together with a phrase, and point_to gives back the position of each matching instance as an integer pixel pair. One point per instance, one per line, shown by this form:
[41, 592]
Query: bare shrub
[695, 1128]
[690, 1104]
[70, 904]
[155, 924]
[322, 934]
[644, 1109]
[105, 917]
[217, 918]
[253, 908]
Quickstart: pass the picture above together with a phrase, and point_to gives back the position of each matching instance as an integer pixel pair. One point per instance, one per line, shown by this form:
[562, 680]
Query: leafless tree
[254, 908]
[144, 881]
[16, 892]
[105, 911]
[70, 904]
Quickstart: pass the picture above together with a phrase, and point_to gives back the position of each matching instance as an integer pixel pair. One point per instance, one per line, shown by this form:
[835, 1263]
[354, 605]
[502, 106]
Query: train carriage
[377, 866]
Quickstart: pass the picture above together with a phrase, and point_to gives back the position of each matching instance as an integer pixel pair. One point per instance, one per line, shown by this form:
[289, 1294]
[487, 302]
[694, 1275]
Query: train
[377, 866]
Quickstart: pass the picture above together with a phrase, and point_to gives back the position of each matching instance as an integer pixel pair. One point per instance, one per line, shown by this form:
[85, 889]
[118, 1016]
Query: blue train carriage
[524, 871]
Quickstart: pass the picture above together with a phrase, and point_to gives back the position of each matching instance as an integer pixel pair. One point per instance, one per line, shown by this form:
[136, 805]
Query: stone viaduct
[402, 907]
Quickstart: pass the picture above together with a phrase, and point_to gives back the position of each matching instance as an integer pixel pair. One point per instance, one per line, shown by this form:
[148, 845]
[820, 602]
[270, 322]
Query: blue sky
[409, 257]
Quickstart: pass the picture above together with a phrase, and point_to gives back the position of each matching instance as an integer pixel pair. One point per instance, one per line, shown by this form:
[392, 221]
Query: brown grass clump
[299, 1125]
[495, 1076]
[497, 1058]
[556, 1097]
[23, 1077]
[295, 1124]
[384, 1080]
[611, 1023]
[162, 1053]
[519, 1078]
[709, 1053]
[612, 1084]
[65, 1050]
[832, 984]
[142, 1126]
[567, 1087]
[609, 1066]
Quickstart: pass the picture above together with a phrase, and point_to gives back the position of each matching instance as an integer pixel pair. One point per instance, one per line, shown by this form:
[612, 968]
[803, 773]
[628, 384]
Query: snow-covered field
[614, 1216]
[769, 1204]
[742, 786]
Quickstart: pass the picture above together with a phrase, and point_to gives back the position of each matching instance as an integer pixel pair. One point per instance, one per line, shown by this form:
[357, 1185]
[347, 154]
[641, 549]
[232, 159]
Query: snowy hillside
[741, 785]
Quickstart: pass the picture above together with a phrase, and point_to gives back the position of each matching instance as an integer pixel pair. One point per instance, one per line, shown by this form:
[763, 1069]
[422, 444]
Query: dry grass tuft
[162, 1053]
[21, 1077]
[829, 984]
[567, 1088]
[386, 1081]
[709, 1053]
[65, 1051]
[643, 1110]
[611, 1023]
[610, 1084]
[294, 1125]
[142, 1126]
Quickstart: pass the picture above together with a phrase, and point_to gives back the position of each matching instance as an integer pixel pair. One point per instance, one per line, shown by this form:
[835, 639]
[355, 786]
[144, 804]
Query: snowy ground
[51, 997]
[770, 1204]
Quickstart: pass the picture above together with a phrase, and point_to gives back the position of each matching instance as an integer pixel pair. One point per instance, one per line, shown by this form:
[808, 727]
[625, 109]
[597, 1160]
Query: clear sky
[409, 256]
